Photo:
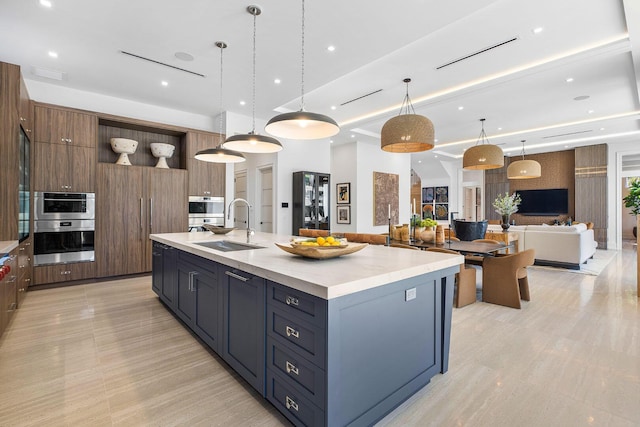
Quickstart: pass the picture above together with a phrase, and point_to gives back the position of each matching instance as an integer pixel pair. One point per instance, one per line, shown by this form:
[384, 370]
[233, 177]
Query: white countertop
[7, 246]
[328, 278]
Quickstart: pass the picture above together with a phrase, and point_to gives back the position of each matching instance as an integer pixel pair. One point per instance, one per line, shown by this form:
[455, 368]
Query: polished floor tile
[109, 353]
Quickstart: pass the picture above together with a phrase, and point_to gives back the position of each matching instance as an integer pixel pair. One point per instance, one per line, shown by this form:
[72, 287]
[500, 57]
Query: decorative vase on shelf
[162, 151]
[505, 222]
[124, 147]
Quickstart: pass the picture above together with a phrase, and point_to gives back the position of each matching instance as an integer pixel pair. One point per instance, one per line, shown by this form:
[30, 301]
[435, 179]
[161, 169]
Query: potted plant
[505, 206]
[632, 200]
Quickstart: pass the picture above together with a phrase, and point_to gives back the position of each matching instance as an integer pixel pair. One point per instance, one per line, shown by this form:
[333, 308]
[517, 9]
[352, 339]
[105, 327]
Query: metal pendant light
[219, 154]
[302, 124]
[483, 155]
[524, 169]
[408, 132]
[252, 142]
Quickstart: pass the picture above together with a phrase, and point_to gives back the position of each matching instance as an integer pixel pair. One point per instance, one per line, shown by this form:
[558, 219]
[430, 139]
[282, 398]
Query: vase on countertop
[505, 223]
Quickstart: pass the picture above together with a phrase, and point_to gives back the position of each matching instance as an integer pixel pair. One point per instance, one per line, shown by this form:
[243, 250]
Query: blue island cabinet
[345, 361]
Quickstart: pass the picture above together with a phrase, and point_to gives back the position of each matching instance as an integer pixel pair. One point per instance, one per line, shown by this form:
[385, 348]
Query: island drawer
[309, 307]
[289, 364]
[307, 339]
[200, 262]
[299, 410]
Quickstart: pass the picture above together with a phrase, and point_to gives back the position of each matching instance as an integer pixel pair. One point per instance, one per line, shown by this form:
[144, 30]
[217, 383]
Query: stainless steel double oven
[64, 226]
[205, 210]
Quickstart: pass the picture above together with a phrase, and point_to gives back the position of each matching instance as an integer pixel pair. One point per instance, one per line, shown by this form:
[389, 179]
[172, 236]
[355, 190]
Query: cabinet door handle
[150, 215]
[192, 285]
[292, 300]
[291, 404]
[291, 368]
[292, 332]
[141, 212]
[237, 276]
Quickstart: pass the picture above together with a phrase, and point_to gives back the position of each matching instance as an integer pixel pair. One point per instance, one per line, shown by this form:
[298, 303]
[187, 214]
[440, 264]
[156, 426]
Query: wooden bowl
[216, 229]
[321, 252]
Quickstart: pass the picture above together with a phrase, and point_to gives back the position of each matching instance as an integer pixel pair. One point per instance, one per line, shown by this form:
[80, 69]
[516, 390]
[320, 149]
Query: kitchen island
[334, 342]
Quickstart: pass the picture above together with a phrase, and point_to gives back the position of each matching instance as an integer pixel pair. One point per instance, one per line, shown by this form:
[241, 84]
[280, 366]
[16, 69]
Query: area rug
[592, 267]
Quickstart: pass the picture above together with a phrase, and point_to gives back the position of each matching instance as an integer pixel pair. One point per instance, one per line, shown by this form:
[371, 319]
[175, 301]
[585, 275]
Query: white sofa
[556, 245]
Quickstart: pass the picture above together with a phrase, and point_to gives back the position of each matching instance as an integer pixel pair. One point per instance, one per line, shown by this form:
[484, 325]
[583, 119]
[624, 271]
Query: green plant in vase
[505, 206]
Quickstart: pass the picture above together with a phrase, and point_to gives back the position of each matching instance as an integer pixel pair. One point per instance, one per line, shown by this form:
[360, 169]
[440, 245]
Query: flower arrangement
[507, 204]
[416, 221]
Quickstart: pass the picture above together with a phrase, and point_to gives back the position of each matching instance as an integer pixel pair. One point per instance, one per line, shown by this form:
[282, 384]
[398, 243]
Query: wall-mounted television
[550, 202]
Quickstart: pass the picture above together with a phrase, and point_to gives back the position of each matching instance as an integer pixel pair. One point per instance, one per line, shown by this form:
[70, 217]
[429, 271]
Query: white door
[265, 197]
[239, 210]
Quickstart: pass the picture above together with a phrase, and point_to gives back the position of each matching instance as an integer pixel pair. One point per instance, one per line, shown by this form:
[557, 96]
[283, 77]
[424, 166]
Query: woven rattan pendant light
[252, 142]
[524, 169]
[408, 132]
[219, 154]
[483, 155]
[302, 124]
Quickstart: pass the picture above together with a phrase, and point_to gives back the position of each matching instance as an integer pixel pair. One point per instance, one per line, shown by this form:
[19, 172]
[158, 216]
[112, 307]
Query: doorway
[240, 191]
[265, 199]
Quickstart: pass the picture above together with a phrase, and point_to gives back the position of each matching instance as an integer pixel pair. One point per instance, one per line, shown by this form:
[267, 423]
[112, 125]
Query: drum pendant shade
[483, 155]
[524, 169]
[407, 133]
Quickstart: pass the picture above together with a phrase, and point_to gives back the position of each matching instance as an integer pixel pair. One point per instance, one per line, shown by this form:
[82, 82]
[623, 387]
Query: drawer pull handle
[291, 404]
[292, 369]
[237, 276]
[292, 332]
[292, 300]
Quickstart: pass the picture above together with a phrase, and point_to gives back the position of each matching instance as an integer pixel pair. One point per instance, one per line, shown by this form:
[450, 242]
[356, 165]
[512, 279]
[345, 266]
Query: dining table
[464, 247]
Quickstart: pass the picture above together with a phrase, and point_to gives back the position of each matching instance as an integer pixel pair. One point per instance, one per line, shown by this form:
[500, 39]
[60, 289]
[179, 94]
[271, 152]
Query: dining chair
[477, 259]
[373, 239]
[504, 278]
[306, 232]
[465, 281]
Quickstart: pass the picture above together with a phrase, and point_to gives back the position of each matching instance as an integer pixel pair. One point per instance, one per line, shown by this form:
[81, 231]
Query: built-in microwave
[205, 210]
[55, 206]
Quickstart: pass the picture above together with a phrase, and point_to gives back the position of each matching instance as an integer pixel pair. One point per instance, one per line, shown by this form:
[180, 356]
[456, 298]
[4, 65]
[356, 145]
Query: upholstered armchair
[504, 278]
[465, 292]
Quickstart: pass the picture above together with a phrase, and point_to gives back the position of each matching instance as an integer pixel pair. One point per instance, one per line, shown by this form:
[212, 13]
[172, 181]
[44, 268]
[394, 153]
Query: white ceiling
[519, 87]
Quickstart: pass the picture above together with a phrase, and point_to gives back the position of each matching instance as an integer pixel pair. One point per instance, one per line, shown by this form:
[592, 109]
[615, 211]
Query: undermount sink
[229, 246]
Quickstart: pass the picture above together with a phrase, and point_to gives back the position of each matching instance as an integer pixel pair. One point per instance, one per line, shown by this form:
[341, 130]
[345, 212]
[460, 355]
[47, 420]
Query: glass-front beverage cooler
[311, 202]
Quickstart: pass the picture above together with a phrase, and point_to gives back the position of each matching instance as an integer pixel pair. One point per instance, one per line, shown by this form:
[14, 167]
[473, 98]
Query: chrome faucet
[249, 230]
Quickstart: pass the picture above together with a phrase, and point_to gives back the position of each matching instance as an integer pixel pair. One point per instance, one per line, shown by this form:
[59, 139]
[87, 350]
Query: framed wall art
[343, 191]
[344, 215]
[386, 187]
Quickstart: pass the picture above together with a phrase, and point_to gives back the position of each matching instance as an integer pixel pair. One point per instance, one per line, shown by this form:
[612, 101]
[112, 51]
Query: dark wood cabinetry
[25, 110]
[66, 139]
[8, 294]
[9, 151]
[57, 273]
[133, 202]
[205, 178]
[25, 268]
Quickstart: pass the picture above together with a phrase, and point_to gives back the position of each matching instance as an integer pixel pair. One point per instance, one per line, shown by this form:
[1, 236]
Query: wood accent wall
[591, 189]
[495, 183]
[558, 171]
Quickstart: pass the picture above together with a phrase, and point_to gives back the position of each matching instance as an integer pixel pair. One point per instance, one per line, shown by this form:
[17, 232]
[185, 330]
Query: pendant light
[219, 154]
[408, 132]
[524, 169]
[302, 124]
[252, 142]
[483, 155]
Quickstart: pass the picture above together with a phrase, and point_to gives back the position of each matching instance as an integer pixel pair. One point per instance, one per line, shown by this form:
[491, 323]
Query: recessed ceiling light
[353, 136]
[277, 81]
[46, 3]
[590, 111]
[183, 56]
[164, 83]
[436, 156]
[53, 54]
[568, 79]
[419, 161]
[435, 140]
[499, 128]
[331, 48]
[461, 108]
[333, 107]
[331, 141]
[537, 30]
[601, 128]
[242, 103]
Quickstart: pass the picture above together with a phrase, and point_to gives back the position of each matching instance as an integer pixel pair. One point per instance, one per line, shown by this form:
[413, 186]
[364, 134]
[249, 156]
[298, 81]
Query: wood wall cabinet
[9, 150]
[57, 273]
[25, 110]
[133, 202]
[205, 179]
[66, 139]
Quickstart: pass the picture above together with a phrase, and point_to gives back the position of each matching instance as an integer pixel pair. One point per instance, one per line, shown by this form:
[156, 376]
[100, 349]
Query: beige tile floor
[110, 354]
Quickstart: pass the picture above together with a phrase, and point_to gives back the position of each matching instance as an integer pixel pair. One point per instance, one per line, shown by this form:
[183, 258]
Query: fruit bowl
[215, 229]
[321, 252]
